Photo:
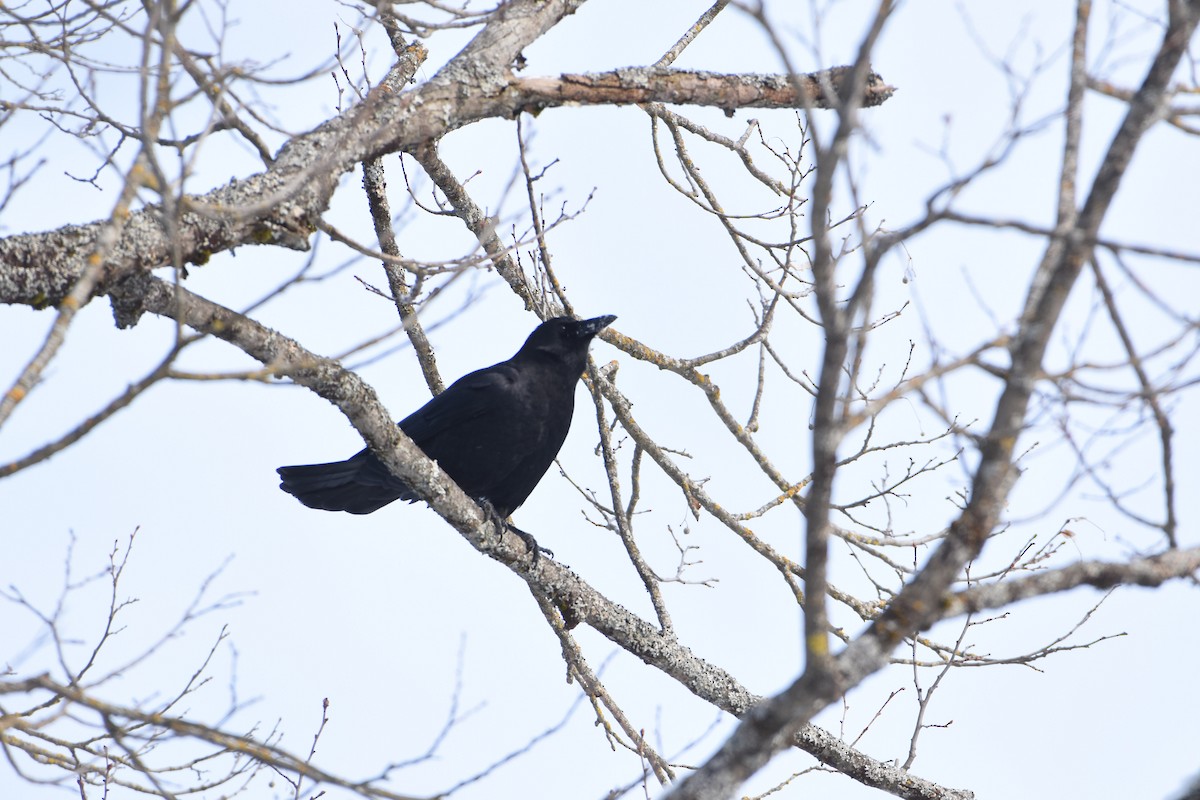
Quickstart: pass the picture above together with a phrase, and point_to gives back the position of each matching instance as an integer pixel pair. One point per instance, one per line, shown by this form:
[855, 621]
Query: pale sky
[386, 615]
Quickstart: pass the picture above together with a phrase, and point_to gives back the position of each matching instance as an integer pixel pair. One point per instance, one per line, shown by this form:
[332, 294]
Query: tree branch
[579, 600]
[1148, 571]
[686, 87]
[764, 731]
[282, 204]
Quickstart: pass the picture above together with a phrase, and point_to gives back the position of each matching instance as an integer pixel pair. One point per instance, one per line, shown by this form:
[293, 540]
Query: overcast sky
[389, 615]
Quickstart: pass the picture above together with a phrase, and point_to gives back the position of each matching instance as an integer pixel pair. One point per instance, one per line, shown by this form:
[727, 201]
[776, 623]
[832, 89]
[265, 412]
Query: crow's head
[565, 338]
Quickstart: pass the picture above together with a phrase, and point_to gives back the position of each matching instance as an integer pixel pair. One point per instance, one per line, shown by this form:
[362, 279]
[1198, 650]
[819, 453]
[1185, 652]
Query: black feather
[494, 431]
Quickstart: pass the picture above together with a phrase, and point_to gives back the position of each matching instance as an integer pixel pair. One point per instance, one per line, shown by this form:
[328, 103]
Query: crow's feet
[530, 543]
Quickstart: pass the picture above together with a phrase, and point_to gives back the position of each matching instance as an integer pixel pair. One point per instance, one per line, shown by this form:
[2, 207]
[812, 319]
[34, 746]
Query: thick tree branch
[282, 204]
[1148, 571]
[361, 406]
[684, 87]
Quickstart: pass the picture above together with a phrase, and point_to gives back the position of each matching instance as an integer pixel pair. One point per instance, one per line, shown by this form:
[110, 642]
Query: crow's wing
[471, 429]
[496, 431]
[465, 404]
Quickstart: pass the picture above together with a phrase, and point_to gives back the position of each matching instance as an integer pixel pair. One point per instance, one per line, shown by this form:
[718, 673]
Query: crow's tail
[359, 485]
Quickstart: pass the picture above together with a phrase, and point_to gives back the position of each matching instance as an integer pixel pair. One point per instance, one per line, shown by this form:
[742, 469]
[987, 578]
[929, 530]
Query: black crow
[495, 431]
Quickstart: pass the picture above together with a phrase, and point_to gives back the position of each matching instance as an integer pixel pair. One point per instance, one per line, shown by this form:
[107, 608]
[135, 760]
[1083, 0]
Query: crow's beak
[590, 327]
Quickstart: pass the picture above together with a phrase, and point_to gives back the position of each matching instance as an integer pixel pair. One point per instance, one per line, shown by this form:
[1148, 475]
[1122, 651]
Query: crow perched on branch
[495, 431]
